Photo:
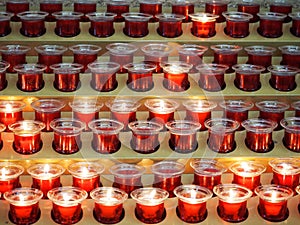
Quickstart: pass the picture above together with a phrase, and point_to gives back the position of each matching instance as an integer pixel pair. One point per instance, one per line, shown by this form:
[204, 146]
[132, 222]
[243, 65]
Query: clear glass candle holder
[167, 175]
[23, 205]
[127, 177]
[102, 24]
[45, 177]
[106, 135]
[27, 136]
[51, 6]
[250, 6]
[136, 24]
[259, 134]
[15, 7]
[237, 24]
[282, 6]
[11, 112]
[247, 76]
[192, 200]
[290, 55]
[296, 107]
[118, 7]
[153, 7]
[66, 204]
[108, 208]
[86, 175]
[67, 23]
[10, 176]
[170, 25]
[67, 135]
[273, 201]
[5, 28]
[183, 7]
[150, 204]
[2, 128]
[32, 23]
[30, 77]
[270, 24]
[291, 138]
[217, 7]
[283, 78]
[295, 29]
[203, 24]
[232, 202]
[85, 7]
[3, 81]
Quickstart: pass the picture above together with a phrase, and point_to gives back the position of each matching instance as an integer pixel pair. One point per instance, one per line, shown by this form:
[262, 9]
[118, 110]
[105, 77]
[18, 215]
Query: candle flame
[8, 108]
[273, 196]
[232, 193]
[4, 171]
[66, 197]
[193, 194]
[286, 167]
[204, 18]
[152, 194]
[46, 168]
[85, 172]
[109, 194]
[21, 198]
[245, 166]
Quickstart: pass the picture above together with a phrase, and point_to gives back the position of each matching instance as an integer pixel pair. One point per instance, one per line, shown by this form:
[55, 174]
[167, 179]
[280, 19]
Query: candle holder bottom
[28, 152]
[148, 151]
[170, 36]
[269, 36]
[240, 36]
[227, 219]
[67, 89]
[34, 35]
[209, 35]
[91, 31]
[104, 89]
[194, 219]
[7, 32]
[222, 151]
[130, 86]
[32, 219]
[271, 146]
[283, 142]
[151, 221]
[293, 32]
[32, 90]
[273, 219]
[109, 221]
[59, 33]
[289, 89]
[176, 88]
[248, 90]
[106, 151]
[57, 220]
[179, 150]
[68, 151]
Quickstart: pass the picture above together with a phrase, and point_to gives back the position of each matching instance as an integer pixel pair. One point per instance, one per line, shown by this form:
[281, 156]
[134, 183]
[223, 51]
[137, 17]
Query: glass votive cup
[295, 29]
[2, 128]
[272, 110]
[170, 25]
[153, 7]
[32, 23]
[232, 202]
[67, 135]
[51, 6]
[259, 134]
[150, 204]
[85, 7]
[212, 76]
[11, 112]
[183, 7]
[250, 6]
[15, 7]
[5, 28]
[45, 177]
[108, 208]
[14, 55]
[140, 76]
[27, 136]
[118, 7]
[127, 177]
[247, 173]
[102, 24]
[136, 24]
[282, 6]
[221, 132]
[3, 81]
[66, 204]
[192, 200]
[106, 135]
[247, 76]
[273, 200]
[283, 78]
[23, 205]
[10, 176]
[86, 175]
[167, 175]
[291, 139]
[290, 55]
[298, 192]
[145, 136]
[217, 7]
[270, 24]
[237, 24]
[183, 135]
[30, 77]
[67, 23]
[121, 53]
[296, 107]
[203, 24]
[66, 76]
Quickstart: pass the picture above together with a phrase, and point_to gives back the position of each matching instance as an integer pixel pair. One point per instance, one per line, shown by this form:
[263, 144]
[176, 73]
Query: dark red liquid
[270, 28]
[207, 181]
[30, 82]
[216, 9]
[49, 60]
[85, 8]
[212, 82]
[291, 139]
[191, 59]
[226, 59]
[152, 9]
[144, 143]
[86, 117]
[191, 213]
[67, 27]
[233, 212]
[176, 82]
[66, 82]
[170, 29]
[203, 29]
[3, 81]
[87, 184]
[295, 29]
[221, 142]
[128, 184]
[24, 214]
[122, 60]
[260, 60]
[168, 183]
[238, 29]
[108, 214]
[288, 180]
[273, 211]
[46, 185]
[102, 28]
[283, 83]
[136, 28]
[238, 116]
[66, 215]
[183, 9]
[106, 143]
[66, 144]
[5, 28]
[33, 28]
[281, 8]
[157, 60]
[51, 7]
[27, 144]
[8, 185]
[251, 9]
[84, 59]
[10, 117]
[124, 117]
[140, 81]
[247, 82]
[104, 82]
[16, 7]
[259, 142]
[290, 59]
[13, 60]
[47, 117]
[150, 214]
[183, 143]
[199, 117]
[297, 113]
[161, 117]
[248, 182]
[119, 10]
[274, 116]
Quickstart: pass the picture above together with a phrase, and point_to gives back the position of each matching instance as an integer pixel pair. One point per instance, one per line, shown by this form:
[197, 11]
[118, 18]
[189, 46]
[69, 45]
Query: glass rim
[16, 106]
[32, 15]
[228, 187]
[296, 105]
[4, 66]
[103, 67]
[272, 106]
[292, 165]
[162, 168]
[27, 127]
[117, 168]
[205, 106]
[203, 17]
[67, 15]
[42, 105]
[221, 125]
[206, 193]
[226, 48]
[93, 169]
[79, 193]
[96, 195]
[101, 16]
[291, 124]
[101, 126]
[76, 126]
[157, 49]
[145, 127]
[154, 104]
[85, 49]
[140, 67]
[66, 68]
[237, 16]
[257, 125]
[183, 127]
[286, 192]
[192, 48]
[283, 70]
[272, 16]
[163, 194]
[151, 1]
[122, 105]
[170, 16]
[290, 49]
[136, 16]
[248, 69]
[294, 15]
[51, 49]
[178, 67]
[85, 106]
[16, 49]
[30, 68]
[211, 68]
[121, 48]
[17, 169]
[35, 170]
[238, 168]
[117, 2]
[36, 195]
[5, 15]
[260, 49]
[200, 166]
[236, 105]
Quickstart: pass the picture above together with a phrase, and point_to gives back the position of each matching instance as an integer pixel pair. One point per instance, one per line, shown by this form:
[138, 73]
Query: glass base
[291, 89]
[273, 219]
[108, 221]
[239, 36]
[100, 36]
[192, 220]
[167, 36]
[107, 151]
[234, 221]
[249, 90]
[28, 152]
[40, 88]
[264, 151]
[174, 148]
[56, 220]
[204, 36]
[293, 150]
[106, 90]
[276, 36]
[157, 220]
[38, 35]
[67, 90]
[227, 151]
[144, 151]
[137, 36]
[6, 33]
[66, 152]
[33, 220]
[66, 36]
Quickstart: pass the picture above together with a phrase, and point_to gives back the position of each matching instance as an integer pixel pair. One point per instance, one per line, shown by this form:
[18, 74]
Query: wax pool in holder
[102, 24]
[9, 176]
[11, 112]
[152, 7]
[67, 23]
[170, 25]
[136, 24]
[203, 24]
[32, 23]
[291, 139]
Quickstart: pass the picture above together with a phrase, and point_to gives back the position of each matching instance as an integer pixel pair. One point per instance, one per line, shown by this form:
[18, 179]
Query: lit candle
[203, 24]
[11, 112]
[9, 176]
[291, 139]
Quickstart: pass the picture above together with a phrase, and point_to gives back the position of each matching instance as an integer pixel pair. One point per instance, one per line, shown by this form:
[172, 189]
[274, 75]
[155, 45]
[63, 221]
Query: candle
[5, 28]
[32, 23]
[270, 25]
[66, 204]
[85, 7]
[3, 67]
[273, 202]
[67, 23]
[170, 25]
[136, 24]
[283, 78]
[86, 175]
[295, 29]
[203, 24]
[167, 175]
[23, 205]
[102, 24]
[192, 203]
[118, 7]
[184, 8]
[11, 112]
[290, 55]
[15, 7]
[9, 176]
[250, 6]
[237, 24]
[150, 204]
[27, 136]
[153, 7]
[232, 202]
[106, 135]
[296, 107]
[282, 6]
[108, 207]
[217, 7]
[45, 176]
[51, 6]
[127, 177]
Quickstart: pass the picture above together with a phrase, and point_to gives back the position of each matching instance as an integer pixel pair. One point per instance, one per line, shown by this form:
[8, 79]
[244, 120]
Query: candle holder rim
[51, 1]
[85, 106]
[221, 121]
[2, 127]
[182, 66]
[237, 16]
[119, 2]
[226, 48]
[290, 49]
[249, 2]
[260, 49]
[17, 106]
[236, 105]
[123, 195]
[294, 15]
[145, 127]
[192, 48]
[227, 198]
[258, 125]
[281, 2]
[157, 49]
[85, 49]
[140, 67]
[117, 168]
[118, 105]
[16, 49]
[294, 165]
[42, 105]
[211, 68]
[283, 70]
[32, 15]
[272, 106]
[170, 16]
[18, 169]
[218, 1]
[193, 105]
[151, 103]
[34, 170]
[136, 16]
[154, 201]
[260, 168]
[207, 194]
[80, 194]
[37, 195]
[32, 126]
[67, 15]
[296, 105]
[272, 16]
[151, 1]
[51, 49]
[118, 126]
[297, 189]
[121, 48]
[5, 15]
[181, 2]
[3, 66]
[101, 16]
[65, 68]
[183, 127]
[18, 1]
[70, 122]
[76, 169]
[30, 68]
[291, 124]
[85, 1]
[248, 69]
[162, 168]
[209, 17]
[200, 166]
[285, 191]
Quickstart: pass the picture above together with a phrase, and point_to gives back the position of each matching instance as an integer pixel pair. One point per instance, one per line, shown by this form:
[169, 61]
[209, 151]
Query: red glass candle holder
[45, 177]
[49, 55]
[247, 76]
[140, 77]
[3, 82]
[217, 7]
[157, 53]
[121, 53]
[10, 176]
[203, 24]
[118, 7]
[272, 110]
[14, 55]
[106, 135]
[11, 112]
[150, 204]
[86, 175]
[108, 207]
[295, 29]
[212, 76]
[67, 135]
[51, 6]
[250, 6]
[2, 128]
[66, 204]
[291, 139]
[184, 8]
[183, 135]
[282, 6]
[207, 173]
[236, 110]
[192, 203]
[23, 205]
[30, 77]
[145, 136]
[290, 55]
[102, 24]
[247, 173]
[27, 136]
[273, 201]
[221, 132]
[15, 7]
[136, 24]
[66, 76]
[170, 25]
[167, 175]
[226, 54]
[85, 7]
[232, 202]
[67, 23]
[283, 78]
[237, 24]
[153, 7]
[259, 134]
[32, 23]
[127, 177]
[296, 106]
[270, 24]
[5, 28]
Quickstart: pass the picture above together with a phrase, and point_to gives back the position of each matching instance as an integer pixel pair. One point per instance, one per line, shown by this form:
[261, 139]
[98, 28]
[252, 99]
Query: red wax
[176, 81]
[87, 184]
[291, 139]
[295, 29]
[232, 212]
[238, 116]
[10, 117]
[140, 81]
[67, 27]
[203, 29]
[282, 8]
[124, 117]
[191, 213]
[108, 214]
[86, 117]
[24, 214]
[8, 185]
[66, 144]
[84, 59]
[152, 9]
[283, 83]
[27, 143]
[270, 28]
[66, 214]
[104, 82]
[144, 143]
[51, 7]
[119, 9]
[207, 181]
[248, 182]
[157, 60]
[106, 143]
[16, 7]
[136, 28]
[102, 28]
[291, 59]
[85, 7]
[288, 180]
[251, 8]
[127, 184]
[259, 142]
[122, 60]
[161, 117]
[47, 117]
[66, 82]
[274, 116]
[13, 60]
[168, 183]
[273, 211]
[30, 82]
[247, 82]
[45, 185]
[212, 82]
[49, 60]
[169, 28]
[150, 213]
[226, 59]
[237, 29]
[183, 9]
[183, 143]
[216, 9]
[33, 28]
[221, 142]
